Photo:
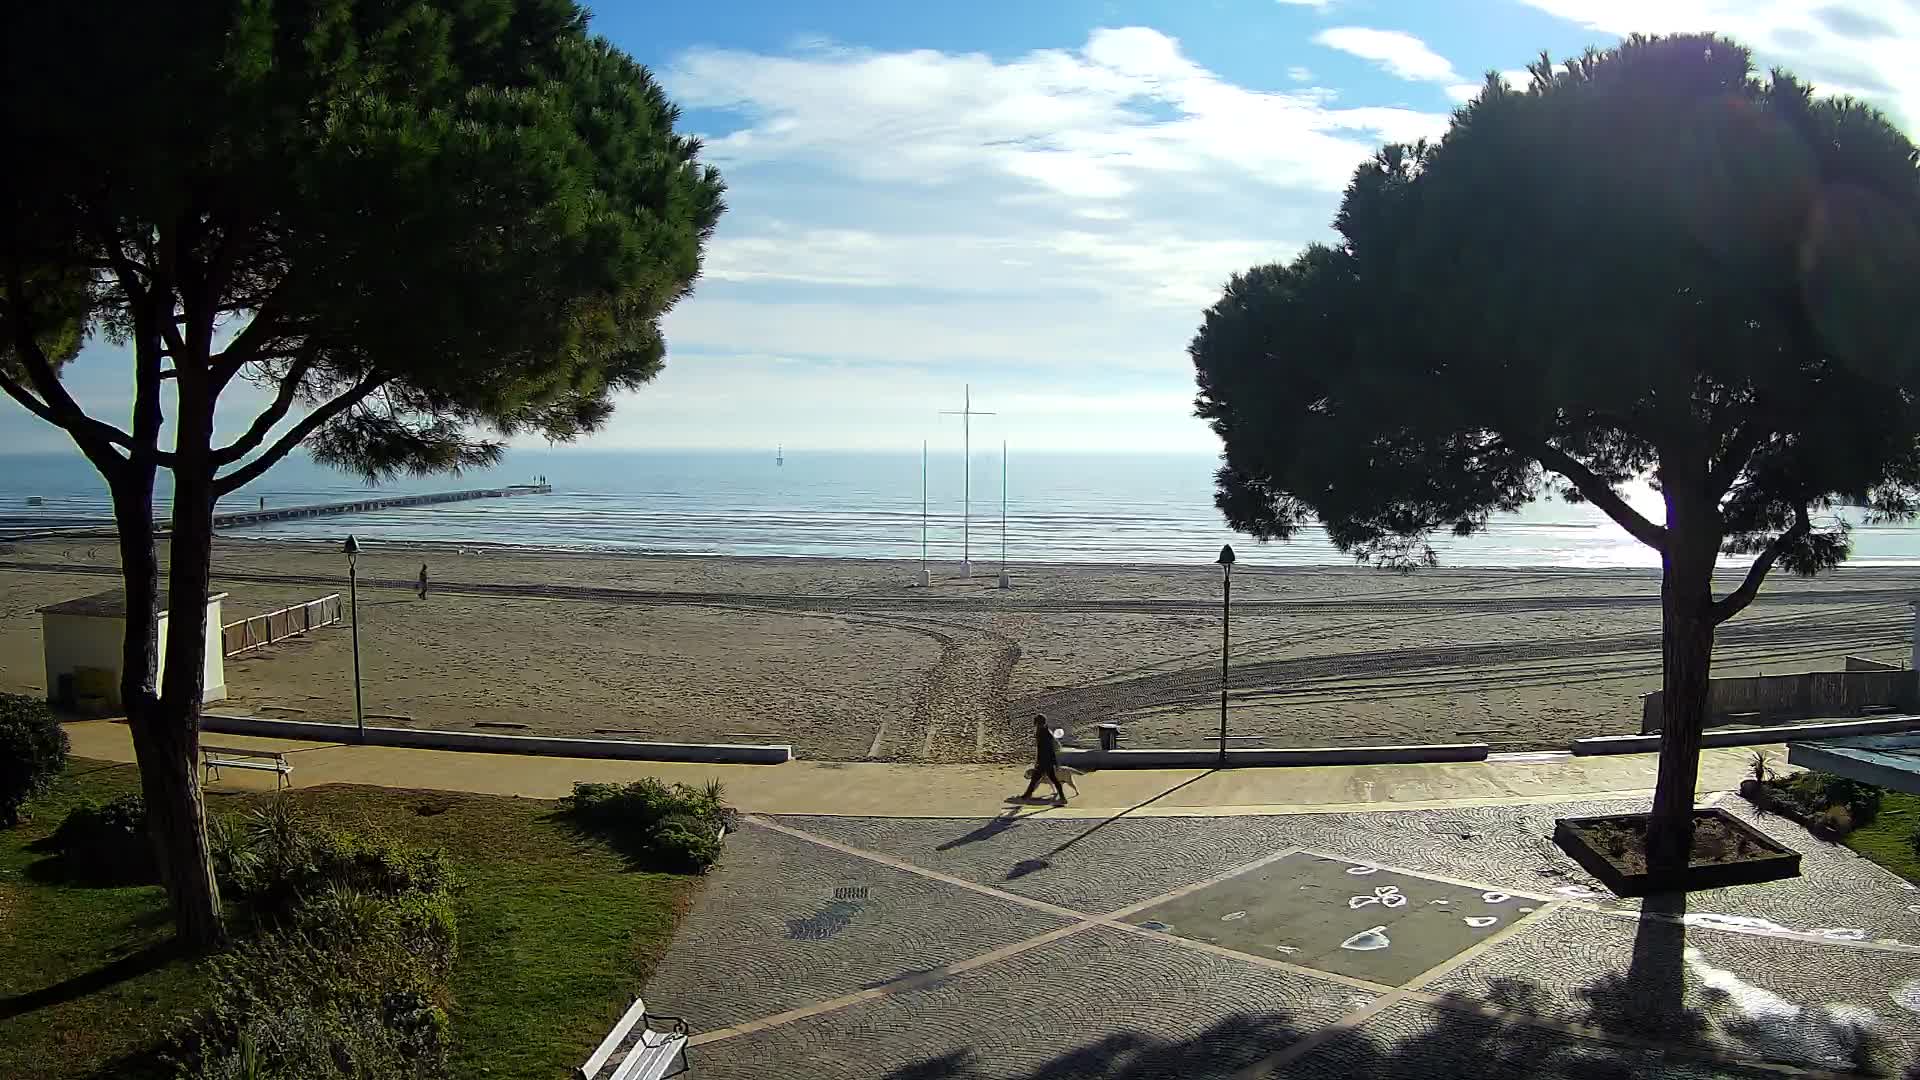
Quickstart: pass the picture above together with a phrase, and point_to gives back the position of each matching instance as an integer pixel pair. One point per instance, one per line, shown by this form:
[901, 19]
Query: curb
[1750, 736]
[708, 753]
[1272, 757]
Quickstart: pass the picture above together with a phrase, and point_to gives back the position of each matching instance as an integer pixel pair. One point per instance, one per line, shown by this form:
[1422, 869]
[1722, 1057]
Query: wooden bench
[215, 758]
[647, 1054]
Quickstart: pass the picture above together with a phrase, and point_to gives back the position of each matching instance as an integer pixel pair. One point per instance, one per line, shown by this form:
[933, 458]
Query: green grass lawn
[1888, 840]
[556, 934]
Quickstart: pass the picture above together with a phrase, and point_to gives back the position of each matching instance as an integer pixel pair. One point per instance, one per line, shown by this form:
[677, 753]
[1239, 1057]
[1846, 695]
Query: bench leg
[685, 1065]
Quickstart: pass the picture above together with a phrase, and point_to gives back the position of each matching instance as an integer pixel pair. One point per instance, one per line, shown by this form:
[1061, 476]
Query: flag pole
[925, 578]
[1005, 582]
[966, 413]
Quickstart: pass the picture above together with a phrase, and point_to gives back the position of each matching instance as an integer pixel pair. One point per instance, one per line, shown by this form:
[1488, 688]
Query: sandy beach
[849, 660]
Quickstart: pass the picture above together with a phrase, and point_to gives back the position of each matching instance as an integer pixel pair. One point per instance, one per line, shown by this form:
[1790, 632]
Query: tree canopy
[404, 220]
[418, 227]
[1647, 263]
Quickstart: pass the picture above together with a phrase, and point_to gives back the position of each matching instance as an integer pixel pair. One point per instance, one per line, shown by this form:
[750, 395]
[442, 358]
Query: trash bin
[1109, 736]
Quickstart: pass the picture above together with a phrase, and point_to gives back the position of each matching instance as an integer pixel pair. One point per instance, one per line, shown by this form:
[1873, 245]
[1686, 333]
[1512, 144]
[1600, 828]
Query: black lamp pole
[352, 548]
[1226, 610]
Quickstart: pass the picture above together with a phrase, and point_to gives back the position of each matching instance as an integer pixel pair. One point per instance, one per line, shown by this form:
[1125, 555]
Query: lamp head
[351, 547]
[1226, 555]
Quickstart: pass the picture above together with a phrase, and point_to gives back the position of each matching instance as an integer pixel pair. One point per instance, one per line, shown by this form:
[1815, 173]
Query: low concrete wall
[1750, 736]
[1273, 756]
[1809, 695]
[714, 753]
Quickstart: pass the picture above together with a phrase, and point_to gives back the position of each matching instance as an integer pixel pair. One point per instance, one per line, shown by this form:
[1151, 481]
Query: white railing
[257, 630]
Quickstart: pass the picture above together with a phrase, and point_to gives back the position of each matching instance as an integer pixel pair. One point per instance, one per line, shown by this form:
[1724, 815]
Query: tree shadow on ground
[134, 964]
[1488, 1033]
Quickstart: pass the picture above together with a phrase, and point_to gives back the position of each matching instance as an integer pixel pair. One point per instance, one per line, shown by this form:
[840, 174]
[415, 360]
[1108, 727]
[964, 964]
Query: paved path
[876, 789]
[902, 921]
[1412, 945]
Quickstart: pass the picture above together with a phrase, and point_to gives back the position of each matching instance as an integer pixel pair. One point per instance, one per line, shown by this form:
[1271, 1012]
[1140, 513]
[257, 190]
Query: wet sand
[849, 660]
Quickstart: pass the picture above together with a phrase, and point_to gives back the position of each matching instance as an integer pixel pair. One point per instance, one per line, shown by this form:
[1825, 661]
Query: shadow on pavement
[1467, 1037]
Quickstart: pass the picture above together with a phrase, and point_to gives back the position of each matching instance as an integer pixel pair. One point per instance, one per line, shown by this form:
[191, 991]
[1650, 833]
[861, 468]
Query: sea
[1113, 508]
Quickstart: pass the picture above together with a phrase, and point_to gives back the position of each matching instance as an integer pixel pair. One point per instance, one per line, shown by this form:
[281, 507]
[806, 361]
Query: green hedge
[33, 751]
[671, 828]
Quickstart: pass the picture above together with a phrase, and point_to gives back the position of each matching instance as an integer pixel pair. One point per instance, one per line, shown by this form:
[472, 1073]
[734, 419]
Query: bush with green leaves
[33, 750]
[1817, 792]
[666, 827]
[107, 844]
[273, 860]
[346, 973]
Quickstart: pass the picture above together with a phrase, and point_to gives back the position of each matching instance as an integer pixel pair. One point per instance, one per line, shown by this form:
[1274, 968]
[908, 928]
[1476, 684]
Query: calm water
[1060, 507]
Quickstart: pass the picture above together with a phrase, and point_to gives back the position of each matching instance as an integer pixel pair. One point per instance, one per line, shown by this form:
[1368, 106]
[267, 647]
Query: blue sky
[1040, 198]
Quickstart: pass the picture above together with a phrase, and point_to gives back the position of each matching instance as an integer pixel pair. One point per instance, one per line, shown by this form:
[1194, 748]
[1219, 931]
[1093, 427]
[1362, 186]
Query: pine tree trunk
[180, 820]
[166, 743]
[1686, 634]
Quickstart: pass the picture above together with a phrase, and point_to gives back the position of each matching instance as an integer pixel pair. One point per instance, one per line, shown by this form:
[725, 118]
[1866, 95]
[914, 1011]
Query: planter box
[1765, 859]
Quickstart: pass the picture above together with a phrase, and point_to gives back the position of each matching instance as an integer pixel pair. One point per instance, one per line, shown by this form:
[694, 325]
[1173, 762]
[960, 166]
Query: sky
[1039, 200]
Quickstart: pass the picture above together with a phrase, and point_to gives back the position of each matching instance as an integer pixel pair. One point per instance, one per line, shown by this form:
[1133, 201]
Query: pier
[360, 506]
[231, 519]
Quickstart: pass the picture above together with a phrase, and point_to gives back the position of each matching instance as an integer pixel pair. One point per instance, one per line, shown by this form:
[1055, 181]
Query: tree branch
[263, 424]
[245, 347]
[295, 435]
[96, 439]
[1601, 494]
[1736, 601]
[1739, 453]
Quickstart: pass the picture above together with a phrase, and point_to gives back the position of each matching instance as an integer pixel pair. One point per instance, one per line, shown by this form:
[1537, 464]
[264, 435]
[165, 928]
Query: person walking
[1046, 761]
[423, 581]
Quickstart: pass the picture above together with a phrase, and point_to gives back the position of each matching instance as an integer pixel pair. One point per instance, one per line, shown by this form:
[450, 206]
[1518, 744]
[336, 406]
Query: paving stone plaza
[1390, 943]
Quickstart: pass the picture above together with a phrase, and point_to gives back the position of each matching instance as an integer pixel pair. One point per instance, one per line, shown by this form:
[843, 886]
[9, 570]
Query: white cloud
[1047, 226]
[1321, 5]
[1394, 51]
[1861, 47]
[1299, 74]
[1131, 263]
[1092, 123]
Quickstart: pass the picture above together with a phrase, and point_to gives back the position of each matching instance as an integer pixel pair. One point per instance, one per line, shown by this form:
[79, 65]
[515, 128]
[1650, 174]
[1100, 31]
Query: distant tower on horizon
[779, 454]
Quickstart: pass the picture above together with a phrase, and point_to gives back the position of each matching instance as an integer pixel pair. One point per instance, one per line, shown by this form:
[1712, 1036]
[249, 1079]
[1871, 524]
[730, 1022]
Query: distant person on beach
[1046, 761]
[263, 502]
[423, 581]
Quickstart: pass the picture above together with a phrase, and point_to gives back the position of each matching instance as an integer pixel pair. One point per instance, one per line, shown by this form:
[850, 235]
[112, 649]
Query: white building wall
[71, 642]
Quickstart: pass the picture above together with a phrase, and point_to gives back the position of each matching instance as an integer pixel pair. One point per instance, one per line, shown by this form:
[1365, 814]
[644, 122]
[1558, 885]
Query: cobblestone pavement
[1032, 948]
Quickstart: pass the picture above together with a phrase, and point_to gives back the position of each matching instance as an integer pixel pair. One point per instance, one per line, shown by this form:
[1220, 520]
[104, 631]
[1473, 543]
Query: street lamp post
[1226, 610]
[352, 548]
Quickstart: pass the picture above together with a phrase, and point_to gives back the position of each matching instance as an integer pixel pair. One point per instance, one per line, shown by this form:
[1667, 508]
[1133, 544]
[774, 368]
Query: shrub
[685, 844]
[33, 750]
[346, 977]
[661, 827]
[1835, 822]
[107, 845]
[288, 1006]
[1816, 791]
[273, 861]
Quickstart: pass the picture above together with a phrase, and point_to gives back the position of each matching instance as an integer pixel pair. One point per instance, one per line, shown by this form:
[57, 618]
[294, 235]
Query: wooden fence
[1775, 699]
[258, 630]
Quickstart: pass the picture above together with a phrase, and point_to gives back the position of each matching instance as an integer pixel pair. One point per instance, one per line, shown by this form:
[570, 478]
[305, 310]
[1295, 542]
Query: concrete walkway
[879, 789]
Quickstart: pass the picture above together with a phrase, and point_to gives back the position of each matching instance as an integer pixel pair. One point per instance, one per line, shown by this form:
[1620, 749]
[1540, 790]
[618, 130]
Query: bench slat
[650, 1061]
[614, 1038]
[242, 751]
[264, 766]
